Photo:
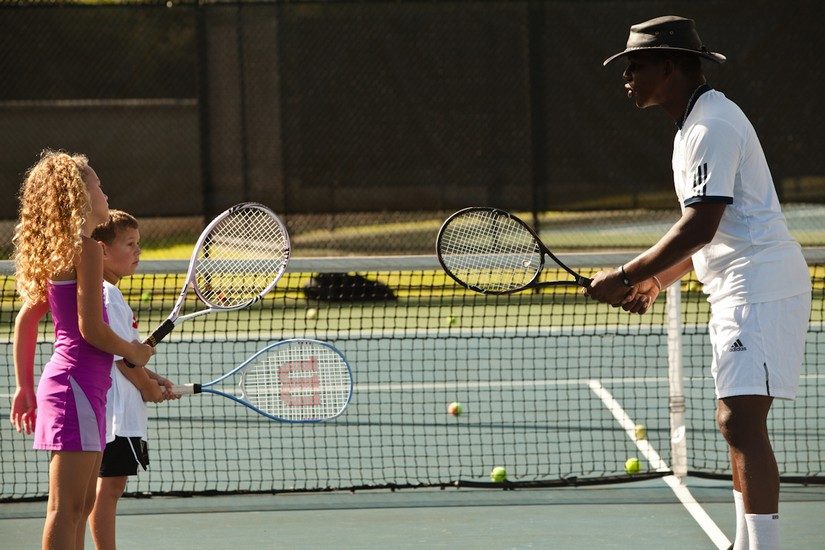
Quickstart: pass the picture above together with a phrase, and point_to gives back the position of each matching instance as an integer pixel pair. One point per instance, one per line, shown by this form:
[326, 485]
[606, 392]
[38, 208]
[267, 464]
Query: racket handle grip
[186, 389]
[159, 334]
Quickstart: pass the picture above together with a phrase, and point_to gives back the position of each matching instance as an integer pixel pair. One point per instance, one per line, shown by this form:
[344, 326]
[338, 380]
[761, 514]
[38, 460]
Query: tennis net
[552, 385]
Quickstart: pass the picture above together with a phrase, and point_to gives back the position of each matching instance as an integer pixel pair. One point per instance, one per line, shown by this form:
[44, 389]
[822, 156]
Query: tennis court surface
[640, 515]
[552, 387]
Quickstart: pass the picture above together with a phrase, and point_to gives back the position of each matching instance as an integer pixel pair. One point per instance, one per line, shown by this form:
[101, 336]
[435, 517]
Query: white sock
[741, 540]
[763, 531]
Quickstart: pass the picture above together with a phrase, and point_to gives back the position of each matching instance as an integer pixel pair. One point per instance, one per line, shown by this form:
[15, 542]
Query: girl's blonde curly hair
[54, 204]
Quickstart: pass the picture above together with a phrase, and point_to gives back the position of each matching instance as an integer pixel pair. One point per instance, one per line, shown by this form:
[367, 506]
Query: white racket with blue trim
[238, 258]
[298, 380]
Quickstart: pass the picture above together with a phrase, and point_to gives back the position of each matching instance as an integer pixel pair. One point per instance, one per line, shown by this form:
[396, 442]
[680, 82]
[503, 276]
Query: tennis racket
[297, 380]
[238, 258]
[494, 252]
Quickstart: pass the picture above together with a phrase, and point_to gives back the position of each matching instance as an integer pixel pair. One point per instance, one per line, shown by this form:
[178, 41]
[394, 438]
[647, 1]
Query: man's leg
[740, 542]
[743, 423]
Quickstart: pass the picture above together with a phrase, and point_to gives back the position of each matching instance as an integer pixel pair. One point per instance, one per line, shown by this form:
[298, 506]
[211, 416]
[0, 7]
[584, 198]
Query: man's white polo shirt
[717, 157]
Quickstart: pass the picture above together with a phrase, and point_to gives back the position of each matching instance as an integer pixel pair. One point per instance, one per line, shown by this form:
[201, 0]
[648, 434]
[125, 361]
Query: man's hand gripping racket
[494, 252]
[239, 257]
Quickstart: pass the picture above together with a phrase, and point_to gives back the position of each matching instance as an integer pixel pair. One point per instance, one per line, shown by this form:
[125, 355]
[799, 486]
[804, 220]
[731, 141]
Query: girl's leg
[89, 503]
[70, 475]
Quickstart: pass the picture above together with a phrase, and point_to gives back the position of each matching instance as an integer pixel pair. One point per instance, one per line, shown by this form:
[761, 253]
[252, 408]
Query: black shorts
[122, 456]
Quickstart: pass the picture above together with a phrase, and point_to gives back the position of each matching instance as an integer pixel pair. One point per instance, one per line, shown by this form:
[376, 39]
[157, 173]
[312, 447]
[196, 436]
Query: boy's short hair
[118, 221]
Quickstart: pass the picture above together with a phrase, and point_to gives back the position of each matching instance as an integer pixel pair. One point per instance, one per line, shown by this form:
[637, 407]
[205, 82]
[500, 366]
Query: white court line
[679, 489]
[410, 387]
[491, 384]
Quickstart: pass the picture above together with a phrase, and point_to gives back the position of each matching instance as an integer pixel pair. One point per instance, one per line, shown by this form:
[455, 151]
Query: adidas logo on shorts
[738, 346]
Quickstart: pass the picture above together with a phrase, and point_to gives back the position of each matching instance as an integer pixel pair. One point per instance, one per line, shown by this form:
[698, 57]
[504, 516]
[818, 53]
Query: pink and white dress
[71, 394]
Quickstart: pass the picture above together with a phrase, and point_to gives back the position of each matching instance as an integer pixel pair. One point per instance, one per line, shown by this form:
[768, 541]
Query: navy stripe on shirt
[708, 199]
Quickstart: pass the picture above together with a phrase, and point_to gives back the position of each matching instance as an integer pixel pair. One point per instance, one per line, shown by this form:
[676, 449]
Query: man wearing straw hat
[733, 234]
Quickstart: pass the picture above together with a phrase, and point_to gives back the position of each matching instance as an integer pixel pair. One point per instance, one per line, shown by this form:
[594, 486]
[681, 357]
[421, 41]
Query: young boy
[126, 411]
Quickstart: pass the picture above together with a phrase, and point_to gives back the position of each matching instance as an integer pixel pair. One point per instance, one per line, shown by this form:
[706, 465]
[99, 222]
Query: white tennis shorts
[758, 349]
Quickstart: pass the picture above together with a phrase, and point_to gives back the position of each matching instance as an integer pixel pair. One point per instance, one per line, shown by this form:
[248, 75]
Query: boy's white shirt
[126, 413]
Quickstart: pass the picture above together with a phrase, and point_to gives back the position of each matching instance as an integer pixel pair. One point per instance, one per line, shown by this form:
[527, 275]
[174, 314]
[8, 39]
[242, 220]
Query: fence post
[203, 114]
[538, 115]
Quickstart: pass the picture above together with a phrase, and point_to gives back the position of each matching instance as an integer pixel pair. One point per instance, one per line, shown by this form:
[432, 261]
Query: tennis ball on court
[455, 408]
[146, 296]
[498, 474]
[632, 466]
[640, 431]
[451, 320]
[312, 313]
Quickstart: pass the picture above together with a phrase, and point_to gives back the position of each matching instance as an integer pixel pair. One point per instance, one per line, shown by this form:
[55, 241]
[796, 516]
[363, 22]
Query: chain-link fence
[364, 123]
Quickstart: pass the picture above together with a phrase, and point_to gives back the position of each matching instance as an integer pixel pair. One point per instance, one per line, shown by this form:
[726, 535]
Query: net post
[676, 398]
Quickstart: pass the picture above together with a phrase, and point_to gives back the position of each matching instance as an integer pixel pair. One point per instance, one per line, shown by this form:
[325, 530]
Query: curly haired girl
[59, 267]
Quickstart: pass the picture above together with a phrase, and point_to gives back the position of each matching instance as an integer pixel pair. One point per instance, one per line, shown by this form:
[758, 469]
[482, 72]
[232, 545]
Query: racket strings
[298, 382]
[490, 251]
[241, 257]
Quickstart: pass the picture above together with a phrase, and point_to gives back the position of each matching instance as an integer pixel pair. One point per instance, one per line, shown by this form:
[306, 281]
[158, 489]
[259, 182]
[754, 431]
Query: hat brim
[713, 56]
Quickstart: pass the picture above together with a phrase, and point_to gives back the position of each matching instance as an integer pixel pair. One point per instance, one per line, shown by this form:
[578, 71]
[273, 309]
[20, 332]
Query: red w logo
[300, 383]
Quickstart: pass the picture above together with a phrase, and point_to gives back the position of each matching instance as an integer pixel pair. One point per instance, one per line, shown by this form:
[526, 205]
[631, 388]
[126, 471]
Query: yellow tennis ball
[312, 313]
[498, 474]
[146, 296]
[451, 320]
[632, 466]
[455, 408]
[640, 431]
